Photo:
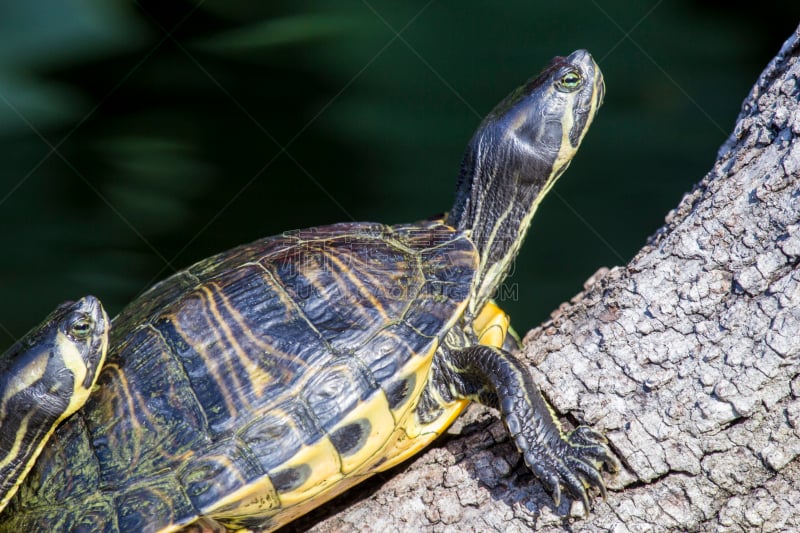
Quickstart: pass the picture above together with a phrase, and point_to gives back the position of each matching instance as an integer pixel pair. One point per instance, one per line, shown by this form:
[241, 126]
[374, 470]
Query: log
[686, 358]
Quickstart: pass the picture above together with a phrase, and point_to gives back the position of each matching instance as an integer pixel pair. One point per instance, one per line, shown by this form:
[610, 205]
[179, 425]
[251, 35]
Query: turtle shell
[248, 386]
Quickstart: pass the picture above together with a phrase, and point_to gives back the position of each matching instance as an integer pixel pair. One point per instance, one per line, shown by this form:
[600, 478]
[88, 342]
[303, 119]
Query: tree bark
[687, 359]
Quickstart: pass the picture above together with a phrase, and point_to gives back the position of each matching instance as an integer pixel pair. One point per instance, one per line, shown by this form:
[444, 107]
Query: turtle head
[82, 340]
[58, 362]
[516, 155]
[536, 130]
[45, 377]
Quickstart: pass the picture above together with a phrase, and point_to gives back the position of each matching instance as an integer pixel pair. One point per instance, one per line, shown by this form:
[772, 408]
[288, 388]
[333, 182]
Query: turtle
[261, 382]
[45, 377]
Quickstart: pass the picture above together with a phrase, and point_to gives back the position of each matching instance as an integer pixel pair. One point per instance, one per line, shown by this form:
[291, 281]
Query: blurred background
[139, 137]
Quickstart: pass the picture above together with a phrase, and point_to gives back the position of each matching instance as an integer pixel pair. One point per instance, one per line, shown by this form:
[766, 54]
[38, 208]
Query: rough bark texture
[687, 358]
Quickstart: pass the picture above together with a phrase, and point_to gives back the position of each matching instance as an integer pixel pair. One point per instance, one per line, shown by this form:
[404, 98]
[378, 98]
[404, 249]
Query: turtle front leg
[494, 377]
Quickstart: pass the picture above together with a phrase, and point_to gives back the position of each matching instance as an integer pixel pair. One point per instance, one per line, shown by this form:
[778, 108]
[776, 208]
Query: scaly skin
[44, 378]
[253, 386]
[495, 377]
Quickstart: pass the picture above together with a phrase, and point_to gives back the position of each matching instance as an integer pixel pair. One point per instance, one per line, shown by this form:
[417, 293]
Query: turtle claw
[585, 435]
[554, 471]
[573, 462]
[594, 446]
[589, 476]
[548, 477]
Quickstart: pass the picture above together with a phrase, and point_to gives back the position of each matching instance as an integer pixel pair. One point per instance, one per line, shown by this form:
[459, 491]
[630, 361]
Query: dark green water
[181, 130]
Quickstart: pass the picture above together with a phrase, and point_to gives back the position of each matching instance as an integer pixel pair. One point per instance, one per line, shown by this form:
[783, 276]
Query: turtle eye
[81, 327]
[570, 81]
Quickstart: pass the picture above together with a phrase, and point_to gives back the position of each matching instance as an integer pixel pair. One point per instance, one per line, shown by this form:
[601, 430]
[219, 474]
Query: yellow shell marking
[394, 436]
[410, 437]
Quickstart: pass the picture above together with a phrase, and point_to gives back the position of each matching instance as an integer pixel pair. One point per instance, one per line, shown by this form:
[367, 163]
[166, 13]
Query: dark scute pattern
[162, 419]
[386, 353]
[176, 343]
[425, 315]
[189, 332]
[174, 382]
[253, 346]
[288, 479]
[452, 264]
[95, 515]
[350, 438]
[148, 509]
[166, 373]
[333, 391]
[448, 270]
[278, 435]
[221, 469]
[399, 391]
[268, 328]
[348, 287]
